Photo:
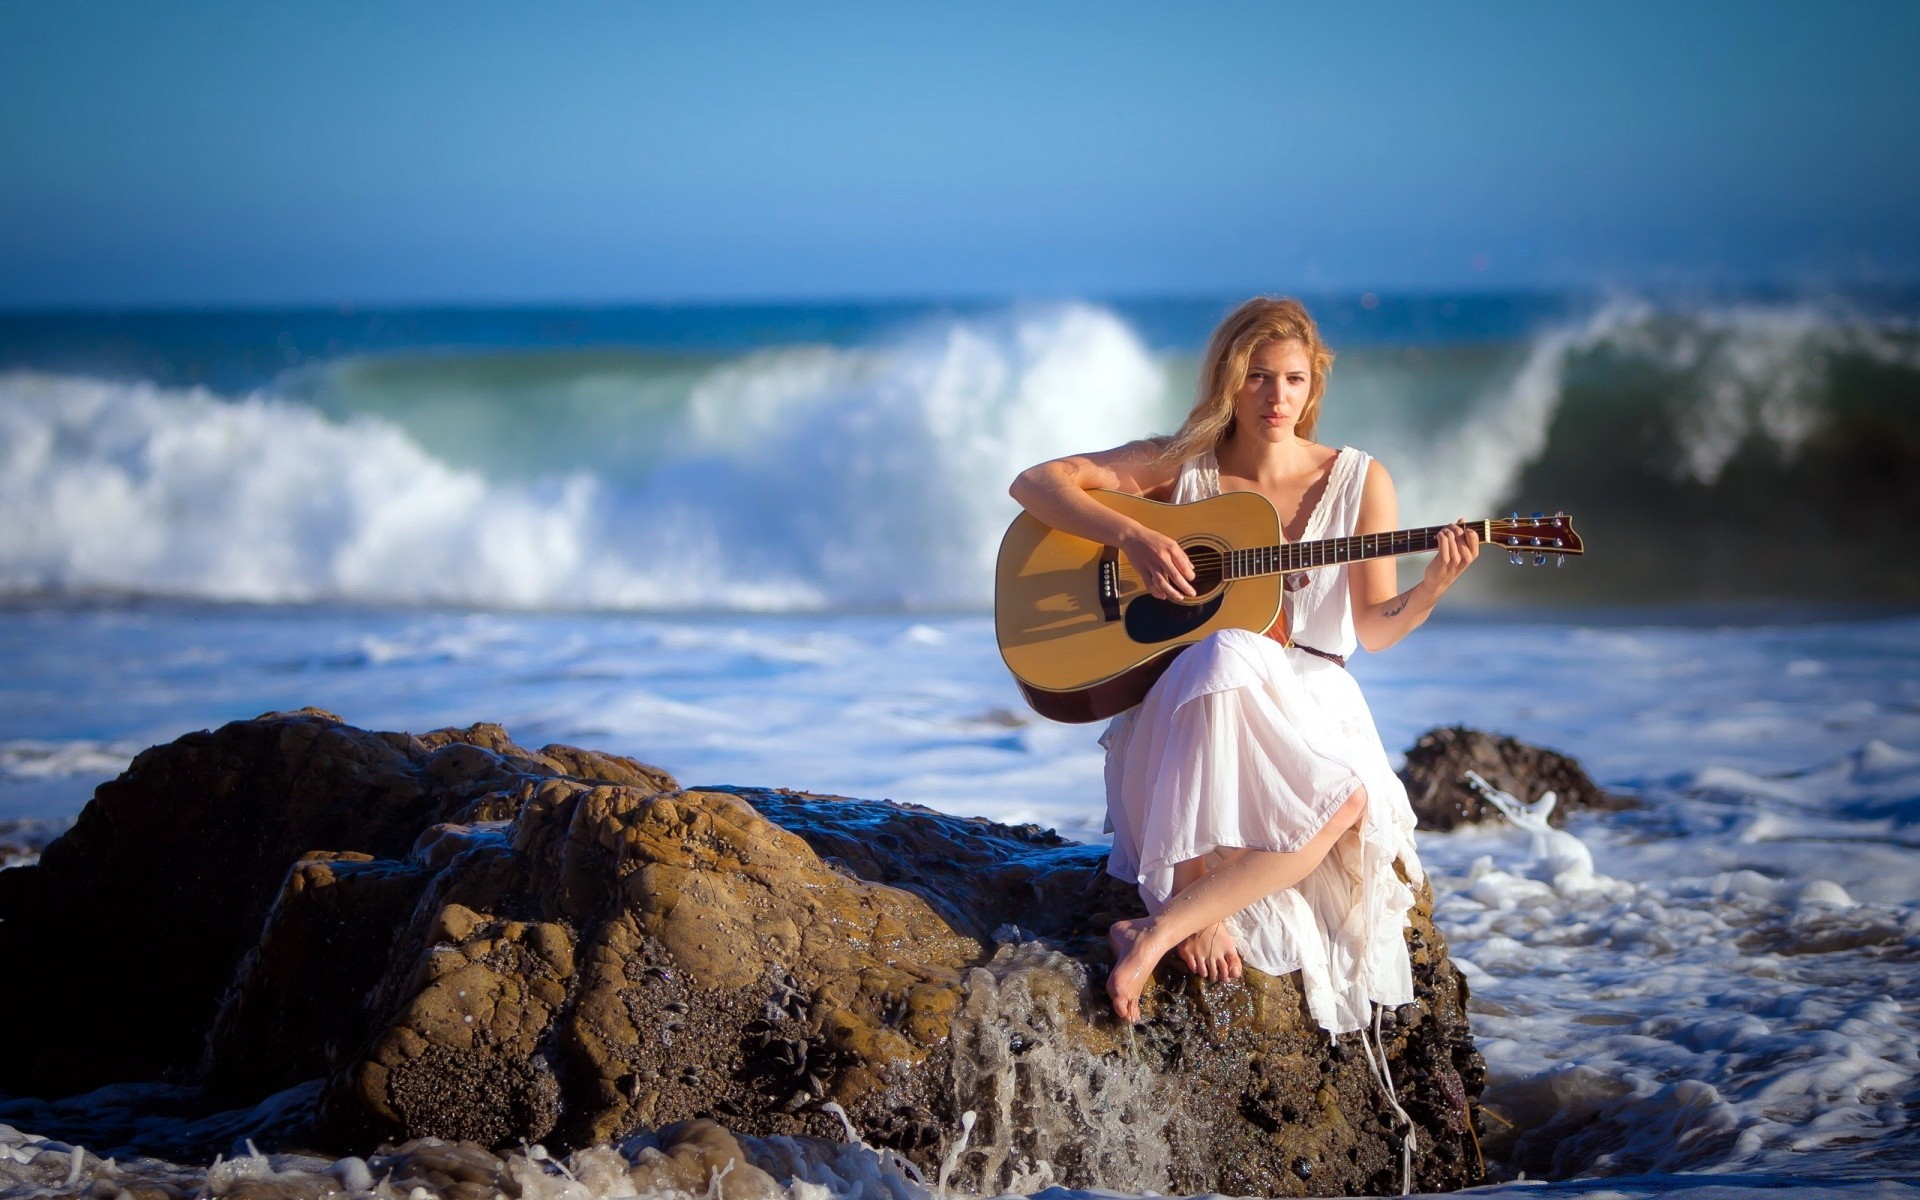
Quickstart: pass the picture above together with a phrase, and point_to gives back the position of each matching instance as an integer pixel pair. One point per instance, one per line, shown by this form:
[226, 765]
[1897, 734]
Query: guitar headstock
[1538, 535]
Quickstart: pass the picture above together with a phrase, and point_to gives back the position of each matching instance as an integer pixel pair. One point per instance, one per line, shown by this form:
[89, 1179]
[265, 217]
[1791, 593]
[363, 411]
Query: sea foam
[799, 478]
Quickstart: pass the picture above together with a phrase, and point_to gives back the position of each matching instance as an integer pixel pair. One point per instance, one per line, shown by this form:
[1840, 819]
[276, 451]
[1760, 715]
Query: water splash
[1049, 1109]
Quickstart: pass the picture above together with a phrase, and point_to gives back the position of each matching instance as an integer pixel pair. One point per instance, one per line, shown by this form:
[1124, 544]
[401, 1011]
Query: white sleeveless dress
[1245, 742]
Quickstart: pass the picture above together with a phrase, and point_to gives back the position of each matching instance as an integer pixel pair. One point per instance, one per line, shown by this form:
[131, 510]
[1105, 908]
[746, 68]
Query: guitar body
[1085, 639]
[1081, 633]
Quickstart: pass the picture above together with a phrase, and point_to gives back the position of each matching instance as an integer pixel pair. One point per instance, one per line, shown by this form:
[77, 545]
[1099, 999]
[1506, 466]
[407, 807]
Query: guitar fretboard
[1299, 556]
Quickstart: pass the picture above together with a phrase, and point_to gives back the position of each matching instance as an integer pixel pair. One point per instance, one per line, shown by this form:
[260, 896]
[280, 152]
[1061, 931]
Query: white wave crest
[131, 487]
[799, 479]
[1474, 464]
[1735, 374]
[870, 477]
[1754, 371]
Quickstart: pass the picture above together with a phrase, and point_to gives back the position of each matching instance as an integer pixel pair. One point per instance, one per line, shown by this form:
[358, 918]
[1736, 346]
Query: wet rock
[275, 1023]
[447, 1170]
[698, 1158]
[559, 946]
[719, 961]
[460, 1057]
[136, 918]
[1436, 768]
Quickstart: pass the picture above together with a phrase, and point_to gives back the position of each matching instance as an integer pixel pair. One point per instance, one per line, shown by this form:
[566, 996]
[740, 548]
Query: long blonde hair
[1223, 372]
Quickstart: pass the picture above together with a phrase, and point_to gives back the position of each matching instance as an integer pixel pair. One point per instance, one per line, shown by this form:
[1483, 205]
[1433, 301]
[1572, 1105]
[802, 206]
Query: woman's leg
[1209, 953]
[1139, 945]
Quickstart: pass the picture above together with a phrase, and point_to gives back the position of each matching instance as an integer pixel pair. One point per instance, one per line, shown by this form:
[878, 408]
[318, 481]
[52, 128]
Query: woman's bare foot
[1134, 958]
[1211, 953]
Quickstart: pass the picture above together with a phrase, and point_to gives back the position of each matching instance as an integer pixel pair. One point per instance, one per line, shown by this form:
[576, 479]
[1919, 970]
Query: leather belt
[1335, 659]
[1278, 634]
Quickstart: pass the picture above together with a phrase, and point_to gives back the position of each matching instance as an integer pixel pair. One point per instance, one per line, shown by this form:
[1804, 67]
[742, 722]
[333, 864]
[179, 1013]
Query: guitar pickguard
[1150, 620]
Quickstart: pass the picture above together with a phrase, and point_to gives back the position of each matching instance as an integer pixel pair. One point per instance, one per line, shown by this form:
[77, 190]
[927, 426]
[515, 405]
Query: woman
[1249, 795]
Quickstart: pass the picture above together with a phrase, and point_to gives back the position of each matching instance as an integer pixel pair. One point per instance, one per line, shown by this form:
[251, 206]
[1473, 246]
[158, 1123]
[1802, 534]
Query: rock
[1437, 764]
[698, 1158]
[162, 887]
[481, 944]
[272, 1030]
[448, 1170]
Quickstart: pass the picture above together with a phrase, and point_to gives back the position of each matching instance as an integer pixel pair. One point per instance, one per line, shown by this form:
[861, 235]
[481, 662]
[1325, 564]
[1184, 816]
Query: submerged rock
[472, 942]
[1437, 764]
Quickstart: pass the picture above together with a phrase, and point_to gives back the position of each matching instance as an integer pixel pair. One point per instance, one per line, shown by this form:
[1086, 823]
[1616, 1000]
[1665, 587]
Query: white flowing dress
[1245, 742]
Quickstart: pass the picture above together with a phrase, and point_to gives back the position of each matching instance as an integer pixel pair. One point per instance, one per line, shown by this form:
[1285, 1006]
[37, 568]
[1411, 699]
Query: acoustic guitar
[1086, 640]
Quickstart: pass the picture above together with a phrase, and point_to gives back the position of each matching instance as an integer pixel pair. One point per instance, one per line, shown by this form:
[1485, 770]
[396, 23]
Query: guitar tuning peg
[1538, 515]
[1517, 559]
[1539, 560]
[1559, 560]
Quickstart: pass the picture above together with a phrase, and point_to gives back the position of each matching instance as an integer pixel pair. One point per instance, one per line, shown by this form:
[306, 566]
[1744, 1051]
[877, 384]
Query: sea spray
[1049, 1109]
[1472, 462]
[818, 1170]
[798, 1168]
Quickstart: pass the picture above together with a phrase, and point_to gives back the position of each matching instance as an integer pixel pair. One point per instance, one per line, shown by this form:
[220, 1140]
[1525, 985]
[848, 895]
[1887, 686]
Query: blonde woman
[1249, 795]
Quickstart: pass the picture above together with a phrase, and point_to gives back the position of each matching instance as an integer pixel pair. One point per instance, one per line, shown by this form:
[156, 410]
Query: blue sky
[213, 153]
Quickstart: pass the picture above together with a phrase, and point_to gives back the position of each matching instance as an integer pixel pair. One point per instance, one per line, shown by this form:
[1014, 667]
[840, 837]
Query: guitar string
[1289, 556]
[1293, 556]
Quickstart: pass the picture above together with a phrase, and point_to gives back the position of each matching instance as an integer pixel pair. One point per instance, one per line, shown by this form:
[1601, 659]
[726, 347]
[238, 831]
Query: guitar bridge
[1110, 583]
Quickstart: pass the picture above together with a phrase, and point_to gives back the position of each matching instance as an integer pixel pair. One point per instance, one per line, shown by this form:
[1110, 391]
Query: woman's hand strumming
[1459, 546]
[1160, 562]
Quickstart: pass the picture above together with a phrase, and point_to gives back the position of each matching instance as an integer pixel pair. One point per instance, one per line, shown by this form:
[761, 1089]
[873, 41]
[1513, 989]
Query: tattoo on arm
[1399, 605]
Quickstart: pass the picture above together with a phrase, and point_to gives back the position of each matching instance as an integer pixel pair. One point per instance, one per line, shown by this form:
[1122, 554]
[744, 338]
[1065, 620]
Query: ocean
[754, 545]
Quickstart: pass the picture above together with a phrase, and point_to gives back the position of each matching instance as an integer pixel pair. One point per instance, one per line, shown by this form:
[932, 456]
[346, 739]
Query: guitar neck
[1303, 556]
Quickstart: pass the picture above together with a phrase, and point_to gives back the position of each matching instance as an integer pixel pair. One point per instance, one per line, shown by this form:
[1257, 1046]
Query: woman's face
[1279, 378]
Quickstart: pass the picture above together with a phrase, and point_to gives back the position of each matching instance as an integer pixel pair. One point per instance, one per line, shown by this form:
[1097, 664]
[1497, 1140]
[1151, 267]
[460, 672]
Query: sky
[209, 154]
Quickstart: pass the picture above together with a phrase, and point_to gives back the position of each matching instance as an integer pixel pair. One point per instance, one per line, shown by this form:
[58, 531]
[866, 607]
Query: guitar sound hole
[1150, 619]
[1209, 567]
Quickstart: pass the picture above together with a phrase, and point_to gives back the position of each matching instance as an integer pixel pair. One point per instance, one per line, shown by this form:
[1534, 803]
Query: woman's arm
[1382, 616]
[1055, 492]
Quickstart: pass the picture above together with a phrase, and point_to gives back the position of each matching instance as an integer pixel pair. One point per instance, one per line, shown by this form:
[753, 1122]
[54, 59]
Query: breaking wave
[796, 478]
[815, 477]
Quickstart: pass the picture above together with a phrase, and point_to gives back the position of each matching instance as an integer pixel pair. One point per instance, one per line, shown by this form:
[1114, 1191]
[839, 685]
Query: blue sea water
[752, 545]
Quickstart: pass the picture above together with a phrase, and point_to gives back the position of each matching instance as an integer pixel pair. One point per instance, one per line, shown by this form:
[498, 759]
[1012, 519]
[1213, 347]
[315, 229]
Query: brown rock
[1437, 764]
[135, 920]
[554, 952]
[699, 1158]
[447, 1170]
[462, 1059]
[277, 1022]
